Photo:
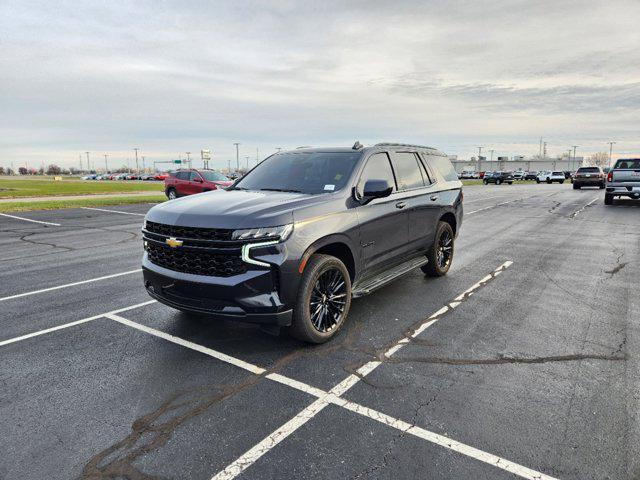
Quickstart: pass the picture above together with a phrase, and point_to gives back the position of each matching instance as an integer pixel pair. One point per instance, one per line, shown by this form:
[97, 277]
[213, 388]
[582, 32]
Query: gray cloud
[175, 76]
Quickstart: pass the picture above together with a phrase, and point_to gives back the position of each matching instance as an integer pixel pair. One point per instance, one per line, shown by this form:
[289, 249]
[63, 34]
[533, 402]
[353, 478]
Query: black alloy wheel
[440, 255]
[327, 302]
[323, 301]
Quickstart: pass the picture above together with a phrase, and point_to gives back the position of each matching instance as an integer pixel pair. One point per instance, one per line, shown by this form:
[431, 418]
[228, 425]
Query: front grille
[195, 233]
[197, 263]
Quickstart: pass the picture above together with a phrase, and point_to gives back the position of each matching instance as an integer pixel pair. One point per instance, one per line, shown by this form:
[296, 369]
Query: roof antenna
[357, 145]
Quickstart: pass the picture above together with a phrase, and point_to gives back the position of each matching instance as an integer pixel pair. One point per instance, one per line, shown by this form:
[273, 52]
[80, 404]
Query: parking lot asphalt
[520, 363]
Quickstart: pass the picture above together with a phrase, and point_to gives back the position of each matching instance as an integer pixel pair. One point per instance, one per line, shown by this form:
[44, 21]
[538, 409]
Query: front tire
[485, 182]
[537, 180]
[324, 299]
[172, 194]
[440, 254]
[608, 199]
[498, 181]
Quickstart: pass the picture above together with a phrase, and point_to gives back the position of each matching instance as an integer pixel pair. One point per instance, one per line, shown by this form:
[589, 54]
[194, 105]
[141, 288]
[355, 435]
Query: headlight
[280, 233]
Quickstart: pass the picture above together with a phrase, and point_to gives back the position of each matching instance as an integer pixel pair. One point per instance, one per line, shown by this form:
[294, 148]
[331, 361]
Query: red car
[161, 176]
[188, 182]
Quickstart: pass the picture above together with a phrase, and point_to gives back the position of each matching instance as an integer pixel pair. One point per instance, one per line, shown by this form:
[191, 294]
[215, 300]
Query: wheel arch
[337, 246]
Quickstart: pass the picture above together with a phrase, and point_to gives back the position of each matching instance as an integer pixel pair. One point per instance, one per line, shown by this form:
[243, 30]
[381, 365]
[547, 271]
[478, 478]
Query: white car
[550, 177]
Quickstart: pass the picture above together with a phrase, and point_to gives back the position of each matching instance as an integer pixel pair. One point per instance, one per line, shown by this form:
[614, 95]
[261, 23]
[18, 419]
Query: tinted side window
[193, 176]
[377, 168]
[407, 170]
[444, 166]
[182, 175]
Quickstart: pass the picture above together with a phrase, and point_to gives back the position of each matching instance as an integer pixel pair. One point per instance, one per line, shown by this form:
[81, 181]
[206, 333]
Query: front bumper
[250, 297]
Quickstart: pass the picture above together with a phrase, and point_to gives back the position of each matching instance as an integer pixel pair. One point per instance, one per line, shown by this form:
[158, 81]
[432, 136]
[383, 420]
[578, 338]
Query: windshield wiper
[280, 190]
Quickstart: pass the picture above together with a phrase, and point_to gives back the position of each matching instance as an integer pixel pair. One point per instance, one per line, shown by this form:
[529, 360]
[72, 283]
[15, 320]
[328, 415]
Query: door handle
[434, 197]
[401, 205]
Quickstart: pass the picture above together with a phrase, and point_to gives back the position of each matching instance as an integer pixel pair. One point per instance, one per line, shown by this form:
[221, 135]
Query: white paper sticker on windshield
[330, 187]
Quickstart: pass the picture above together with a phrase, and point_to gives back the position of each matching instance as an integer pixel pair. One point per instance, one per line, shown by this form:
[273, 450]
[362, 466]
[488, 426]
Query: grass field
[91, 201]
[12, 187]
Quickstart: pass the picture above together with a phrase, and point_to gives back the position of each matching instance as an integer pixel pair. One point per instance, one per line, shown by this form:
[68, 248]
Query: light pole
[574, 155]
[188, 158]
[144, 168]
[610, 151]
[237, 156]
[137, 167]
[88, 164]
[106, 167]
[247, 159]
[80, 157]
[479, 158]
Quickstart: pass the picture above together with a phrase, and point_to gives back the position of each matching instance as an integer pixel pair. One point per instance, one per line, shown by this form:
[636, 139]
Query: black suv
[291, 242]
[498, 178]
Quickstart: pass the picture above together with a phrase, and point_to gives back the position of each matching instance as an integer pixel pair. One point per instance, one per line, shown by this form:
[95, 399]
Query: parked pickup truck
[623, 180]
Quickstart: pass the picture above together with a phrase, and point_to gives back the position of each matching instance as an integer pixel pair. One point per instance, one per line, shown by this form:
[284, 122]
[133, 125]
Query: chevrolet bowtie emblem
[173, 242]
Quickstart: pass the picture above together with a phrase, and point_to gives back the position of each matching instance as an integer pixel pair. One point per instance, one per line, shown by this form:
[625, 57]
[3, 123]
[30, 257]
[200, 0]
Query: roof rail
[304, 146]
[391, 144]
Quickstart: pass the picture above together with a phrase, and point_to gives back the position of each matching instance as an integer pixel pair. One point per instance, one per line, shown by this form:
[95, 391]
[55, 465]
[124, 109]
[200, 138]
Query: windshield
[304, 172]
[212, 176]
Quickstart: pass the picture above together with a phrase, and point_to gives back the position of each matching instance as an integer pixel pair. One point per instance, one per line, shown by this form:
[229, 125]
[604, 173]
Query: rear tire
[172, 194]
[608, 199]
[323, 302]
[537, 180]
[443, 244]
[561, 182]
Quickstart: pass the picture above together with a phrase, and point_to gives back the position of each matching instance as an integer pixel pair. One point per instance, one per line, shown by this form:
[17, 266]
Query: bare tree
[600, 159]
[53, 170]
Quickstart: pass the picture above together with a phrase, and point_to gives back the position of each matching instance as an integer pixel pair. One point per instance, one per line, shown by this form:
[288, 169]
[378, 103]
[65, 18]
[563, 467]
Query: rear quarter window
[443, 166]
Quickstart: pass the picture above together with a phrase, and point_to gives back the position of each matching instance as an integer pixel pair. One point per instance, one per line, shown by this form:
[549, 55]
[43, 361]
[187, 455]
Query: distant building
[519, 163]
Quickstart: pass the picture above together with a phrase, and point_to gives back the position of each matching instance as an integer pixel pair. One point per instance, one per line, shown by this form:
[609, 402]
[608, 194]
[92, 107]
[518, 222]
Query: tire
[549, 181]
[576, 186]
[319, 276]
[601, 186]
[537, 180]
[608, 199]
[561, 182]
[172, 194]
[435, 267]
[510, 183]
[498, 181]
[485, 182]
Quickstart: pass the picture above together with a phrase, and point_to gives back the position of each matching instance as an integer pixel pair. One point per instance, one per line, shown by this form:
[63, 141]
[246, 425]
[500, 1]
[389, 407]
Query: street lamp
[610, 151]
[237, 156]
[137, 167]
[106, 167]
[574, 155]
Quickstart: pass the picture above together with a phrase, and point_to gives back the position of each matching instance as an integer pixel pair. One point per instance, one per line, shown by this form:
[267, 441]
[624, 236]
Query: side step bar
[371, 284]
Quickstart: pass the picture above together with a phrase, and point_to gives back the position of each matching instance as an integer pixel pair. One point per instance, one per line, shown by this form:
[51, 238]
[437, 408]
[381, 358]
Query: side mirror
[376, 189]
[197, 180]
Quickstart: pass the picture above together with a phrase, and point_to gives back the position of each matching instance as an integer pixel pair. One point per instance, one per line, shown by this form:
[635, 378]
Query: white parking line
[30, 220]
[113, 211]
[584, 207]
[58, 287]
[325, 398]
[72, 324]
[252, 455]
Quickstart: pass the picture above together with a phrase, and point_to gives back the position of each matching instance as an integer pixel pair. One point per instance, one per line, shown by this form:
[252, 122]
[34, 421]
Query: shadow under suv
[293, 241]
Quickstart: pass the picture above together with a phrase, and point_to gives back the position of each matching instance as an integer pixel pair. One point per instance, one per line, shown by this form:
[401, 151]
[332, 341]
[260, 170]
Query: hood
[232, 209]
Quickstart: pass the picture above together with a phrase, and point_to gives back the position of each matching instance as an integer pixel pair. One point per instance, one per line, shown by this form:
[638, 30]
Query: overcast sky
[170, 77]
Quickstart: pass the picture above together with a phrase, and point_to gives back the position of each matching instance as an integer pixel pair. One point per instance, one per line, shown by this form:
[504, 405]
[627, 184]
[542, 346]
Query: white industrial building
[517, 164]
